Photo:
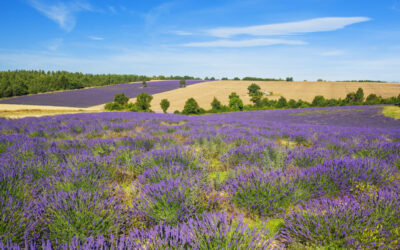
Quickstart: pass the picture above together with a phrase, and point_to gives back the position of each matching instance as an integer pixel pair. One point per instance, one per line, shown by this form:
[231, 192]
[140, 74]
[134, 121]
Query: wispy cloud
[307, 26]
[154, 14]
[96, 38]
[182, 33]
[245, 43]
[63, 13]
[333, 53]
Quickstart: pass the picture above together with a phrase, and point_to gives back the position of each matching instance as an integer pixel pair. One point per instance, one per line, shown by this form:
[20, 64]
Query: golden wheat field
[205, 92]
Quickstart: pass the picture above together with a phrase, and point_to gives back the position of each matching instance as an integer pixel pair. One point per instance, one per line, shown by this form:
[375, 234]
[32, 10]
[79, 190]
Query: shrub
[255, 94]
[144, 84]
[113, 106]
[373, 99]
[191, 107]
[281, 102]
[164, 105]
[182, 83]
[319, 101]
[236, 104]
[143, 102]
[216, 104]
[121, 99]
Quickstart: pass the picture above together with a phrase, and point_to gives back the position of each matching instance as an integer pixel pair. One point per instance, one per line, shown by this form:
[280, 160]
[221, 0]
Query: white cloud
[333, 53]
[54, 44]
[245, 43]
[182, 33]
[63, 13]
[307, 26]
[96, 38]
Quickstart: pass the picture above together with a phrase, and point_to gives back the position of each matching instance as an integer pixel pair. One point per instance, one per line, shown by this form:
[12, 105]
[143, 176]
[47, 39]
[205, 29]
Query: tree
[191, 107]
[144, 84]
[360, 95]
[319, 101]
[235, 103]
[289, 79]
[255, 94]
[216, 104]
[292, 104]
[164, 105]
[224, 78]
[121, 99]
[182, 83]
[143, 102]
[282, 103]
[351, 98]
[236, 79]
[372, 99]
[233, 95]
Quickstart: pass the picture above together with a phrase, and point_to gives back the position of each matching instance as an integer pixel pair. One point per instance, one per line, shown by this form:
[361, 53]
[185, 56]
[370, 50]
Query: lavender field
[320, 178]
[84, 98]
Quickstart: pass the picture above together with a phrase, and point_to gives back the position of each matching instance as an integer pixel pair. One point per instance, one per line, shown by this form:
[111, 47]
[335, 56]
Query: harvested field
[20, 111]
[205, 92]
[84, 98]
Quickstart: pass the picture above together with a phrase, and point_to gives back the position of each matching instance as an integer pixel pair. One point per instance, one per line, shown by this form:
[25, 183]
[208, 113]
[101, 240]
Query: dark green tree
[143, 101]
[255, 94]
[144, 84]
[360, 95]
[319, 101]
[216, 104]
[164, 105]
[191, 107]
[373, 99]
[182, 83]
[233, 95]
[282, 103]
[121, 99]
[235, 103]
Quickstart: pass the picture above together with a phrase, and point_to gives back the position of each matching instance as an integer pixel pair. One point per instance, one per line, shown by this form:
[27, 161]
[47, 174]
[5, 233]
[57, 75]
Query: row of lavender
[154, 181]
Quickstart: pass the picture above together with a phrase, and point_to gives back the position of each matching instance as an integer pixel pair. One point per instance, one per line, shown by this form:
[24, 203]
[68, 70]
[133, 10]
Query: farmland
[295, 179]
[205, 92]
[84, 98]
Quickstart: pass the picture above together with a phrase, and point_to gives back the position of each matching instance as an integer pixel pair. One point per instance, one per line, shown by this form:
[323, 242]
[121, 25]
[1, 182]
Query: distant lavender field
[84, 98]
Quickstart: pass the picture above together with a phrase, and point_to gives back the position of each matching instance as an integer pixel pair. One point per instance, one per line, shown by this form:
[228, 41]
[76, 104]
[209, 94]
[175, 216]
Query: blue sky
[306, 39]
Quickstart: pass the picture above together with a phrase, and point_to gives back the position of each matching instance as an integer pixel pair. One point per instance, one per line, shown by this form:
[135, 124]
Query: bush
[121, 99]
[164, 105]
[182, 83]
[144, 83]
[319, 101]
[216, 104]
[255, 94]
[113, 106]
[373, 99]
[191, 107]
[143, 102]
[236, 104]
[281, 102]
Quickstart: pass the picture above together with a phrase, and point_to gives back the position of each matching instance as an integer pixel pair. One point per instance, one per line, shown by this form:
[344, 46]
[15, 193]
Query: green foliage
[121, 99]
[182, 83]
[143, 102]
[373, 99]
[281, 102]
[164, 105]
[216, 104]
[191, 107]
[236, 104]
[232, 95]
[360, 95]
[255, 94]
[289, 79]
[144, 84]
[112, 106]
[319, 101]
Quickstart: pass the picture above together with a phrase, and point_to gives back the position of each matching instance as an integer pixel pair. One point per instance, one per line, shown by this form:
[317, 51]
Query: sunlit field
[280, 179]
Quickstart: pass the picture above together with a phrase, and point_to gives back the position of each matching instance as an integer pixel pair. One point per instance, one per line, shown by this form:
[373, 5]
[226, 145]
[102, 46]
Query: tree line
[259, 102]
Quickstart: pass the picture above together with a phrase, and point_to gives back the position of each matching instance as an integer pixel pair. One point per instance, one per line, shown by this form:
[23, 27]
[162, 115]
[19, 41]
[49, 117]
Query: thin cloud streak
[63, 13]
[307, 26]
[244, 43]
[96, 38]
